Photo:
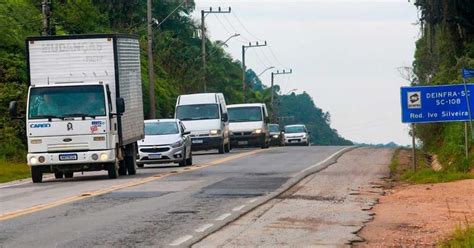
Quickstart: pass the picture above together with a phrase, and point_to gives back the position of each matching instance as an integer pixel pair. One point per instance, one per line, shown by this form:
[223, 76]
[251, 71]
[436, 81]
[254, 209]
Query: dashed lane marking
[223, 217]
[238, 208]
[181, 240]
[204, 228]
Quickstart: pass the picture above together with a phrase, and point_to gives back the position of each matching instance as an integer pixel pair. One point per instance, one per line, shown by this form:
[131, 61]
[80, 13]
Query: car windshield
[67, 101]
[245, 114]
[197, 112]
[274, 128]
[161, 128]
[295, 129]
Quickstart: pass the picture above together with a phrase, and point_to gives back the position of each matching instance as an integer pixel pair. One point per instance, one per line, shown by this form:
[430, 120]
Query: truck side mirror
[267, 119]
[120, 106]
[12, 108]
[225, 117]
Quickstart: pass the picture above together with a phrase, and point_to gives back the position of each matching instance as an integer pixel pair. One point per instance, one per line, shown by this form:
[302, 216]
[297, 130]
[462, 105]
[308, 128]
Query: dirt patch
[419, 215]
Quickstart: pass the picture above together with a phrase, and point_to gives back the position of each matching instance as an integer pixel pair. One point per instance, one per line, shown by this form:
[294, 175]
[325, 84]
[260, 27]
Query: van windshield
[245, 114]
[274, 128]
[295, 129]
[161, 128]
[66, 101]
[197, 112]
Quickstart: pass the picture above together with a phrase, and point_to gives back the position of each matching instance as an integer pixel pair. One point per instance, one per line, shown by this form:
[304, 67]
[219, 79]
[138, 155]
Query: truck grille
[68, 147]
[242, 133]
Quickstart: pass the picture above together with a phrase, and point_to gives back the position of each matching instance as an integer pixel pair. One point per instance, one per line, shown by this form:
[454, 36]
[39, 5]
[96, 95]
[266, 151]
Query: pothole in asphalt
[242, 187]
[184, 212]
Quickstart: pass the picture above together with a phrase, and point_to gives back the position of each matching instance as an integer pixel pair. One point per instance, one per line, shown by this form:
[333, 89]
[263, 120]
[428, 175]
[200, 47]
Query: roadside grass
[462, 237]
[401, 170]
[10, 171]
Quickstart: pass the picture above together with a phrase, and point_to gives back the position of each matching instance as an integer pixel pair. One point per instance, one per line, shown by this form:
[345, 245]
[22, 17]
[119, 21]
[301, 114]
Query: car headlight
[215, 132]
[275, 136]
[257, 131]
[177, 144]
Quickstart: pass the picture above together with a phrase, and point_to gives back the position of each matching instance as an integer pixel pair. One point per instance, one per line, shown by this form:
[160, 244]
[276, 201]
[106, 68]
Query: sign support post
[413, 144]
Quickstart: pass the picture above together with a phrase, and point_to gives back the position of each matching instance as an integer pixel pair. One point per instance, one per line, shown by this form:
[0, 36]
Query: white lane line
[327, 159]
[253, 200]
[238, 208]
[181, 240]
[204, 227]
[223, 217]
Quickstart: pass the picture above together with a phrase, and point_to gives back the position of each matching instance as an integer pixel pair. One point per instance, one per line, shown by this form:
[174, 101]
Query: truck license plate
[67, 157]
[154, 156]
[197, 141]
[244, 142]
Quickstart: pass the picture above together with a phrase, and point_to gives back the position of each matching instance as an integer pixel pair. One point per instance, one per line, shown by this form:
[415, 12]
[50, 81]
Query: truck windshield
[295, 129]
[197, 112]
[245, 114]
[161, 128]
[66, 101]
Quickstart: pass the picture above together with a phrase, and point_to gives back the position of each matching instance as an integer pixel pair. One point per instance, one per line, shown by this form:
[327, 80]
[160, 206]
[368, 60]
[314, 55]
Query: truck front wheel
[112, 170]
[36, 174]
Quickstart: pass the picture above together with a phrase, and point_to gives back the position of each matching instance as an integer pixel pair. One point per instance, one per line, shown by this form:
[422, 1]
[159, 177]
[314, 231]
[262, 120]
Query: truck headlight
[33, 160]
[257, 131]
[177, 144]
[215, 132]
[104, 156]
[41, 159]
[275, 136]
[94, 156]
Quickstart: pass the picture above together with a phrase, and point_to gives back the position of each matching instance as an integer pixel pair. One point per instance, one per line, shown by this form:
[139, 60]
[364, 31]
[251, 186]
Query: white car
[297, 135]
[166, 141]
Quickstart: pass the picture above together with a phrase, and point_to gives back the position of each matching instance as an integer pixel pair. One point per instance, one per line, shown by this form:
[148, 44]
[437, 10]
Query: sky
[344, 53]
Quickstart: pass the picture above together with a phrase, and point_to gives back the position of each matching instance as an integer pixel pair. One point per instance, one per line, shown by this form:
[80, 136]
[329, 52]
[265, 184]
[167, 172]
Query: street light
[233, 36]
[269, 68]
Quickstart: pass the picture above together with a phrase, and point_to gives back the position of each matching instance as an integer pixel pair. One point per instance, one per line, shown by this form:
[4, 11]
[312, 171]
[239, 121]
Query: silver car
[166, 141]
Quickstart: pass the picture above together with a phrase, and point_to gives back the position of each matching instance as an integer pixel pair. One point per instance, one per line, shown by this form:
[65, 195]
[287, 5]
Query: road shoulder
[326, 208]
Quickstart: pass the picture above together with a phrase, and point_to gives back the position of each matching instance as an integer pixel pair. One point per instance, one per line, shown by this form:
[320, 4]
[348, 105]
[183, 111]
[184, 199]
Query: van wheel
[227, 147]
[222, 148]
[112, 170]
[69, 174]
[189, 161]
[58, 175]
[36, 174]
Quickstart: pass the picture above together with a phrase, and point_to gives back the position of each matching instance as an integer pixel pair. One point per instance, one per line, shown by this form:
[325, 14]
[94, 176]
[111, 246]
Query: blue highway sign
[441, 103]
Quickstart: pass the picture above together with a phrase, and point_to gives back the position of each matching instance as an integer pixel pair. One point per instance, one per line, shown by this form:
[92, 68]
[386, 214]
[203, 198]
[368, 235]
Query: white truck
[84, 109]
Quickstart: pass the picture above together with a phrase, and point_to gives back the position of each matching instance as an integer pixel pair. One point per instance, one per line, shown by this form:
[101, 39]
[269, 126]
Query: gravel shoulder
[325, 209]
[420, 215]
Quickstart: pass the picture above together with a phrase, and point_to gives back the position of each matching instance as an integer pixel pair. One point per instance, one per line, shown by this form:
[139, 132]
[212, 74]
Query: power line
[245, 28]
[233, 27]
[275, 57]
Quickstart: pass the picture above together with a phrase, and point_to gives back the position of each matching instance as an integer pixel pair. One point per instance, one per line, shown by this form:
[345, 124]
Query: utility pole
[46, 10]
[151, 73]
[204, 13]
[244, 68]
[273, 76]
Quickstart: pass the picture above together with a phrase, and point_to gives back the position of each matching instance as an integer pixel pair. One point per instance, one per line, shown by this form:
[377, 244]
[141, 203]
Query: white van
[205, 116]
[249, 125]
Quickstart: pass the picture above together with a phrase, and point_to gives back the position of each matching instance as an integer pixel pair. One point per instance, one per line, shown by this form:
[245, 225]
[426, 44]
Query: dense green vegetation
[446, 45]
[176, 55]
[462, 237]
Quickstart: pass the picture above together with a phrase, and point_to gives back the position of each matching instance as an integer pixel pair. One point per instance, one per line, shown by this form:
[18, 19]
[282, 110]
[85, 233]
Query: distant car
[166, 141]
[276, 135]
[297, 135]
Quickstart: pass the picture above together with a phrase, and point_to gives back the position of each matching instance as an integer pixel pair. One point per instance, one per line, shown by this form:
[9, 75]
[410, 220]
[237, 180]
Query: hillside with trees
[446, 45]
[177, 48]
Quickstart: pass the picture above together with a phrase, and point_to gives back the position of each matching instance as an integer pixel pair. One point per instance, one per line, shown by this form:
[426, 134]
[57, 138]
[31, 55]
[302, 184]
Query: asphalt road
[161, 206]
